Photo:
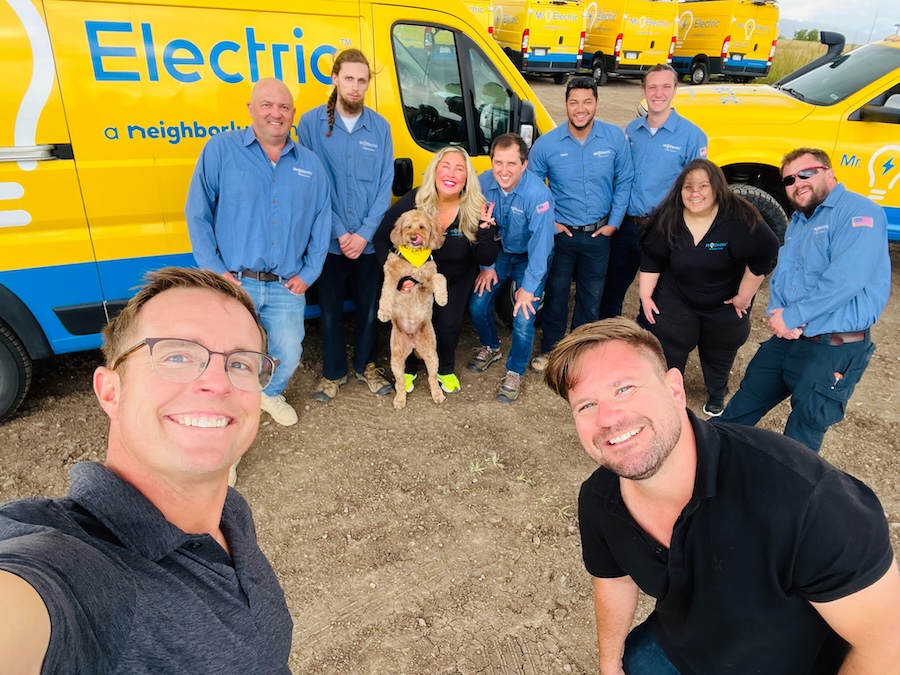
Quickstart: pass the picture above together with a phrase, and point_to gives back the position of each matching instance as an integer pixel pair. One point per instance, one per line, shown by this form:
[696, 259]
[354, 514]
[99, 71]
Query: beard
[816, 196]
[645, 463]
[352, 108]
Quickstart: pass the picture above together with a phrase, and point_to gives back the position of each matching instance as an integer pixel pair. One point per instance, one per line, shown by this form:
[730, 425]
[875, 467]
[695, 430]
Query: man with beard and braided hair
[354, 144]
[762, 557]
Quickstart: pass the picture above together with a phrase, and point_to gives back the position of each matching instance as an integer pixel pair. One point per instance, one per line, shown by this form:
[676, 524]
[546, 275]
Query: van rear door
[47, 266]
[648, 29]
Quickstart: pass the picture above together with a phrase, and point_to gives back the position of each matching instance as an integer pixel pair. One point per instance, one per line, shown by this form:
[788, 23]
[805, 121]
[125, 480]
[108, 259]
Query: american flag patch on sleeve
[543, 208]
[861, 221]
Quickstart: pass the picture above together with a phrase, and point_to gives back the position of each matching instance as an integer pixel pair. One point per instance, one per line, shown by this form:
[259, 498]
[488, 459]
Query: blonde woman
[450, 193]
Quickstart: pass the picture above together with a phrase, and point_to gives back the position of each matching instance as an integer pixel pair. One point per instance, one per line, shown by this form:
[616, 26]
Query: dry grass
[790, 55]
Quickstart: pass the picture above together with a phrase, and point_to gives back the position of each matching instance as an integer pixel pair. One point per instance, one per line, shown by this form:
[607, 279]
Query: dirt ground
[439, 539]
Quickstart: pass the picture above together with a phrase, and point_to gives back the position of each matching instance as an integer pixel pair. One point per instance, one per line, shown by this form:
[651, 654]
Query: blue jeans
[508, 266]
[624, 260]
[585, 258]
[281, 313]
[643, 654]
[805, 371]
[365, 279]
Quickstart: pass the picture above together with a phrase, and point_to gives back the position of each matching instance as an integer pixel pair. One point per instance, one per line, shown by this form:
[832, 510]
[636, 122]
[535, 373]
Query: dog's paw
[400, 401]
[438, 397]
[384, 316]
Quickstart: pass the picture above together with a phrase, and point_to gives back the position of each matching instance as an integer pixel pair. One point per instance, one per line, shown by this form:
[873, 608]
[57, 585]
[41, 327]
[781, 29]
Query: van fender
[21, 322]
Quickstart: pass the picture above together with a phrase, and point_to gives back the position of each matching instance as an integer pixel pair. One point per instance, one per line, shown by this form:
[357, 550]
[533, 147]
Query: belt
[259, 276]
[640, 221]
[837, 339]
[590, 227]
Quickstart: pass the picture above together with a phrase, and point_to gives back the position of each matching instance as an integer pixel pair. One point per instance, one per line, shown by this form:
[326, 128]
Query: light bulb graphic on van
[749, 27]
[33, 102]
[884, 170]
[591, 15]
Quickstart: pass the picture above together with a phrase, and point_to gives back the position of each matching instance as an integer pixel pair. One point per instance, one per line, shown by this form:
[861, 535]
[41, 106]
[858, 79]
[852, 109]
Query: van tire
[506, 300]
[699, 72]
[768, 206]
[599, 72]
[15, 373]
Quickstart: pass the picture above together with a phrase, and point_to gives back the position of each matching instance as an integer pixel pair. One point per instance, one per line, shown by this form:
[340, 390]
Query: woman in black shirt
[451, 194]
[704, 254]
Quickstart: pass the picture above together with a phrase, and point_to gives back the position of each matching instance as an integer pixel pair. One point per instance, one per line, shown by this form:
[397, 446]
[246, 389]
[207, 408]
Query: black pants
[447, 320]
[624, 260]
[717, 334]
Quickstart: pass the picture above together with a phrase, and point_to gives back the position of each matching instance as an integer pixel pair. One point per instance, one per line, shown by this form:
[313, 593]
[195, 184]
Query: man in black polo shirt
[763, 558]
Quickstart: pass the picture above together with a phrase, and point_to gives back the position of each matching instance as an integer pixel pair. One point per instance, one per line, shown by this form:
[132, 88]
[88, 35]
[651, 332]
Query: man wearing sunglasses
[151, 564]
[830, 285]
[587, 166]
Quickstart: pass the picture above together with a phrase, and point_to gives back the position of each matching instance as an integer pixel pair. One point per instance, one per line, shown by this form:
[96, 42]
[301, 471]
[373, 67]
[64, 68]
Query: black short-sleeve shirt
[707, 274]
[770, 527]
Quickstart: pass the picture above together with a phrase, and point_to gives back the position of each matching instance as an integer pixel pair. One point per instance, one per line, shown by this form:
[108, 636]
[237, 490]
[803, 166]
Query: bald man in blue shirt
[259, 212]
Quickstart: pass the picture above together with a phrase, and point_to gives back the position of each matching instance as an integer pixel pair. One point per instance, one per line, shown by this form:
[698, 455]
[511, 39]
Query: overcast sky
[854, 18]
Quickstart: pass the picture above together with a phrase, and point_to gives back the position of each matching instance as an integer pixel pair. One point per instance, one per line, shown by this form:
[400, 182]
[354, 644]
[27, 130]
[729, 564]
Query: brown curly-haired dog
[409, 312]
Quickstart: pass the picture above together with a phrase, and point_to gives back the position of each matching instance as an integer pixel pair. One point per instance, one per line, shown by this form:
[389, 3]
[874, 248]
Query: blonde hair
[347, 56]
[470, 199]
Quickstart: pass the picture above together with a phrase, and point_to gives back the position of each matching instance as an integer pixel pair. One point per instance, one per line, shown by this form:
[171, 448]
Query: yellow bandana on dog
[415, 256]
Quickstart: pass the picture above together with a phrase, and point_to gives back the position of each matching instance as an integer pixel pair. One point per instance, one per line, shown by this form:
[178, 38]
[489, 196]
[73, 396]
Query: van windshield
[833, 82]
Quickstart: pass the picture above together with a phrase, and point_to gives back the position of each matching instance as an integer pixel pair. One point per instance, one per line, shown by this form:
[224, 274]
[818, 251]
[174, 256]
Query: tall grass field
[790, 55]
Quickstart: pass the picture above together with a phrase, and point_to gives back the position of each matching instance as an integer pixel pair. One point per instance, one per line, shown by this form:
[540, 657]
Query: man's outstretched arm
[615, 602]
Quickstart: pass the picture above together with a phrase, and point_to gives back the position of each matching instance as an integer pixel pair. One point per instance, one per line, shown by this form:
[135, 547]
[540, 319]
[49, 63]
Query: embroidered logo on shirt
[543, 208]
[861, 221]
[601, 153]
[303, 172]
[516, 210]
[366, 145]
[671, 148]
[717, 245]
[819, 229]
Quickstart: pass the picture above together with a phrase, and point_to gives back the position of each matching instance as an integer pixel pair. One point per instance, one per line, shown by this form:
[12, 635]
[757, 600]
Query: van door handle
[37, 153]
[403, 181]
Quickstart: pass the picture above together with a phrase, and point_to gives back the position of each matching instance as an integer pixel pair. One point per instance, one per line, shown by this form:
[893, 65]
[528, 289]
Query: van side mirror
[403, 180]
[526, 122]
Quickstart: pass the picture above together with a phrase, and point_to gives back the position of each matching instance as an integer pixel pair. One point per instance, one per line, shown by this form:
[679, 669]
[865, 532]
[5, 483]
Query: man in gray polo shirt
[150, 564]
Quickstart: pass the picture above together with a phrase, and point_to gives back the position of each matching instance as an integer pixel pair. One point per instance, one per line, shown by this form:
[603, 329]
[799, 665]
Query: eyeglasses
[804, 174]
[582, 83]
[178, 360]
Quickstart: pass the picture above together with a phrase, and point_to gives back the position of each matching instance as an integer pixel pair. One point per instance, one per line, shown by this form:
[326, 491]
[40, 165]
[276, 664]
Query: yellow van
[108, 104]
[483, 10]
[541, 37]
[847, 104]
[628, 37]
[732, 38]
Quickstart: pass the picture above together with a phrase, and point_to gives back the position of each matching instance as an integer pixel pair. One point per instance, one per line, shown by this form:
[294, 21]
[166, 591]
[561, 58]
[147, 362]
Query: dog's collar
[415, 256]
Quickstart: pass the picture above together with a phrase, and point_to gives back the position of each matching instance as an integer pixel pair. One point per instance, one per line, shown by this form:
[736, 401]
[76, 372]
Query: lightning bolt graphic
[888, 165]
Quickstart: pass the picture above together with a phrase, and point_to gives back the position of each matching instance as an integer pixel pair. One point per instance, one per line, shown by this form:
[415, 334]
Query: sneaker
[509, 387]
[374, 378]
[408, 382]
[539, 363]
[279, 409]
[484, 357]
[328, 389]
[449, 383]
[714, 407]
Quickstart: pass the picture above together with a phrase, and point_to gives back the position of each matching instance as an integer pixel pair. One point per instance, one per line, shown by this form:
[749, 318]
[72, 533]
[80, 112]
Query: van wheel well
[15, 372]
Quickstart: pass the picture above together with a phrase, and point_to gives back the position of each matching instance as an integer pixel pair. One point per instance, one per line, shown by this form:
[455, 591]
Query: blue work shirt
[361, 168]
[525, 222]
[659, 158]
[589, 180]
[243, 213]
[834, 271]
